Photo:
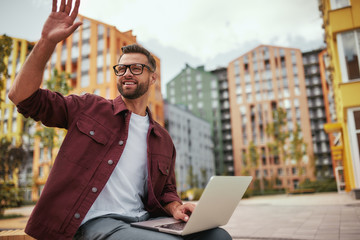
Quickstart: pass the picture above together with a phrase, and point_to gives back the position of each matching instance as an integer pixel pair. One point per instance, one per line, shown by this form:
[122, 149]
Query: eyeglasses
[135, 68]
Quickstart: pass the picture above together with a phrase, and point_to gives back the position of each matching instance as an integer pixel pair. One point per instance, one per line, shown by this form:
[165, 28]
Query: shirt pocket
[162, 165]
[86, 143]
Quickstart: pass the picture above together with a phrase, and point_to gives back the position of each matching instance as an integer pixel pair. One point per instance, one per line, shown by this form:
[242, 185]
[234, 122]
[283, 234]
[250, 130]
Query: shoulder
[162, 133]
[87, 99]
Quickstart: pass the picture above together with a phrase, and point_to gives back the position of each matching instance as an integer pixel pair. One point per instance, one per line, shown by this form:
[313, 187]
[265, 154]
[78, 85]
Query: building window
[97, 92]
[101, 30]
[354, 133]
[85, 80]
[237, 68]
[348, 47]
[214, 84]
[100, 76]
[85, 65]
[335, 4]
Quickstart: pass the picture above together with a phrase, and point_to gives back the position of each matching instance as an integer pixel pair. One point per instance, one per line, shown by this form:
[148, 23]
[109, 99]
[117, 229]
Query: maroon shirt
[96, 137]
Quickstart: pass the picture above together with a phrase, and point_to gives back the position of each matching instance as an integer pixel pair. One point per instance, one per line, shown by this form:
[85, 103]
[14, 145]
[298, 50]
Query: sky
[211, 33]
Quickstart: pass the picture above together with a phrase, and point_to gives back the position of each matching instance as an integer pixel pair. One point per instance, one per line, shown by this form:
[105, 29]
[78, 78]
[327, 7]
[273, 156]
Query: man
[116, 164]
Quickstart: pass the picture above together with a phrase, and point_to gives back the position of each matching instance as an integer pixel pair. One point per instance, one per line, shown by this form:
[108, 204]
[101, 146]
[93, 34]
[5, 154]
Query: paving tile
[326, 237]
[301, 236]
[349, 237]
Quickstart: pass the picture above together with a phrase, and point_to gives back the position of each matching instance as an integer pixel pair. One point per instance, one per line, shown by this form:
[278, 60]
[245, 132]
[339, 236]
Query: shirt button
[121, 142]
[92, 133]
[110, 162]
[77, 215]
[94, 189]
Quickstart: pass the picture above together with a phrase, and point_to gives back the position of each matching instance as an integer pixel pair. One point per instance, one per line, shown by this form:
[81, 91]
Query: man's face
[133, 86]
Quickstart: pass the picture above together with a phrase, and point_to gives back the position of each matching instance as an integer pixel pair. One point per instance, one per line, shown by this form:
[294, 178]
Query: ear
[153, 78]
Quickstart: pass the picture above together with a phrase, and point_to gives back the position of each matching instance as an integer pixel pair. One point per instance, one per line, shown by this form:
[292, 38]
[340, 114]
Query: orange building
[260, 81]
[88, 55]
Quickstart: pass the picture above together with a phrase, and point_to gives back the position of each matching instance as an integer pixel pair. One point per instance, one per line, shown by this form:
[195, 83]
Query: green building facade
[197, 89]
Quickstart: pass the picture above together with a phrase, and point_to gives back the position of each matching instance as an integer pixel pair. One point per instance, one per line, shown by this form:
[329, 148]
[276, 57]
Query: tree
[298, 148]
[5, 51]
[253, 158]
[277, 130]
[282, 145]
[11, 158]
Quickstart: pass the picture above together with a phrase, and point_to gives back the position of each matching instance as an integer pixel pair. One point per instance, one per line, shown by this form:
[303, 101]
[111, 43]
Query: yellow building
[342, 36]
[11, 123]
[88, 55]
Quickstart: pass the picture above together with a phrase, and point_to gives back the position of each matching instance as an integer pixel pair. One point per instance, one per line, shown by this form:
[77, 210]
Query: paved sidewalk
[312, 216]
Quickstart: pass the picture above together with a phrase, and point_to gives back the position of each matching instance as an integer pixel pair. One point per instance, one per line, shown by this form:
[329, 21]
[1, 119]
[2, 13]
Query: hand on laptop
[179, 211]
[184, 211]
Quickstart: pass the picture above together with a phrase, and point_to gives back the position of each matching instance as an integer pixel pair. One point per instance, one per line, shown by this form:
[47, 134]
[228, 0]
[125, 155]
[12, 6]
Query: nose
[128, 72]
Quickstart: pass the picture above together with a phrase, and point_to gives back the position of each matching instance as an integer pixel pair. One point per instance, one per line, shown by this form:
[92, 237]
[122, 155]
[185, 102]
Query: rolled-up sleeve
[51, 108]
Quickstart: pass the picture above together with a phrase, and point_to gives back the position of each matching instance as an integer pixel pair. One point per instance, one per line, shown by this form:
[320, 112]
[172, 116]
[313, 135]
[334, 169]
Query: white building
[194, 148]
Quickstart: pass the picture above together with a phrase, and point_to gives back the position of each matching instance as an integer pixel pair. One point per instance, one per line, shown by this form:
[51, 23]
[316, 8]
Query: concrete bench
[17, 234]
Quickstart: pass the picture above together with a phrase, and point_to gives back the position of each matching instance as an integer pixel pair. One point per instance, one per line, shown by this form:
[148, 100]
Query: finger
[189, 207]
[54, 6]
[181, 216]
[75, 10]
[62, 6]
[68, 7]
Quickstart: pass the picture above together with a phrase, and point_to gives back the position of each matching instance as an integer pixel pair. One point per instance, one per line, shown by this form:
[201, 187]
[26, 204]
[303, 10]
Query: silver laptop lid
[217, 203]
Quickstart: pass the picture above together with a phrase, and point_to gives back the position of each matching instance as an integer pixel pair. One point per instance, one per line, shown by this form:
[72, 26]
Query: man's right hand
[60, 24]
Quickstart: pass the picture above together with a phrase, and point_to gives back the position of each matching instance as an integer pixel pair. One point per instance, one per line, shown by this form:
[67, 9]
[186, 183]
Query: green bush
[192, 194]
[327, 185]
[9, 196]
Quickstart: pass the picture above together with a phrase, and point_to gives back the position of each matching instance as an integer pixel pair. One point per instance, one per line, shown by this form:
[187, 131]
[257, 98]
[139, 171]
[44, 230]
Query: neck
[137, 106]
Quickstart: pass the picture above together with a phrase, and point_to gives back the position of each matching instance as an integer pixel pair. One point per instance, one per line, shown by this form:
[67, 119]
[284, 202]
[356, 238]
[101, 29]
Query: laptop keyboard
[174, 226]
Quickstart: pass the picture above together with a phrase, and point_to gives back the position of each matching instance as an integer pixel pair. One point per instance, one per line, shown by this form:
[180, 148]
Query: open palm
[60, 24]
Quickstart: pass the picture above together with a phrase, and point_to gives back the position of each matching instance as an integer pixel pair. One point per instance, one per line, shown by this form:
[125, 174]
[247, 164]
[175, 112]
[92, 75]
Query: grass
[10, 216]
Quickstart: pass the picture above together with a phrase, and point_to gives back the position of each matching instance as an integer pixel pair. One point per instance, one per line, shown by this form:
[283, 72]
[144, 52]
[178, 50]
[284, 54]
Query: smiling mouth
[129, 83]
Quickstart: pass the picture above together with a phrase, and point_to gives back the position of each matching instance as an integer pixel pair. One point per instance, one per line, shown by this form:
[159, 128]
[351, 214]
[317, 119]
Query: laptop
[214, 208]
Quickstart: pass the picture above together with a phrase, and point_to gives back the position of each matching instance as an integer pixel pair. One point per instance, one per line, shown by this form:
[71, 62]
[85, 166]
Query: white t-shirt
[127, 185]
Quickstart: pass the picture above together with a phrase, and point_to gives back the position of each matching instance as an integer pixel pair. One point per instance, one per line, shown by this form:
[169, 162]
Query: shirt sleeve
[51, 108]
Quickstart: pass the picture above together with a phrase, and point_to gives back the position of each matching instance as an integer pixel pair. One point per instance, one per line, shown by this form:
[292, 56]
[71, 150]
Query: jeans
[117, 227]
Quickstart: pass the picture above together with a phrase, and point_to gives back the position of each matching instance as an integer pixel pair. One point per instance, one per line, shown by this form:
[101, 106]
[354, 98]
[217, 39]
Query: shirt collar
[120, 106]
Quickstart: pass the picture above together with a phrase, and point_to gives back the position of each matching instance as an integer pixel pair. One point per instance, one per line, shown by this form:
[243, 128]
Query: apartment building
[88, 56]
[259, 82]
[194, 148]
[12, 123]
[317, 112]
[342, 36]
[197, 89]
[223, 88]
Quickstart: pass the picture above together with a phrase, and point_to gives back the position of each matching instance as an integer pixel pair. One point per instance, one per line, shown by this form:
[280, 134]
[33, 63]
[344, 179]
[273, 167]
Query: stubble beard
[140, 90]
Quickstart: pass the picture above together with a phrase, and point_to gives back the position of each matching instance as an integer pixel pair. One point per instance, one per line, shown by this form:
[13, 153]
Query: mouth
[129, 83]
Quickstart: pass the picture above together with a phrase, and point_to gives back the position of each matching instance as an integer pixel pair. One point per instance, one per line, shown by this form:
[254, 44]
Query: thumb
[73, 27]
[184, 217]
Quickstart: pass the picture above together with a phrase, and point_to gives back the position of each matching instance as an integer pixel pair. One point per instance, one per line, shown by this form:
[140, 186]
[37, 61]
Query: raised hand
[60, 24]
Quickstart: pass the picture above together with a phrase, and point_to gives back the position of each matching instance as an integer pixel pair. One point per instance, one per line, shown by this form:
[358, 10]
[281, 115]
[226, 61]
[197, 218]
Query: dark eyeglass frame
[129, 66]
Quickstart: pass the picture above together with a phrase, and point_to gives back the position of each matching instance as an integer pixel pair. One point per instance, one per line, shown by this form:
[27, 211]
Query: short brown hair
[136, 48]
